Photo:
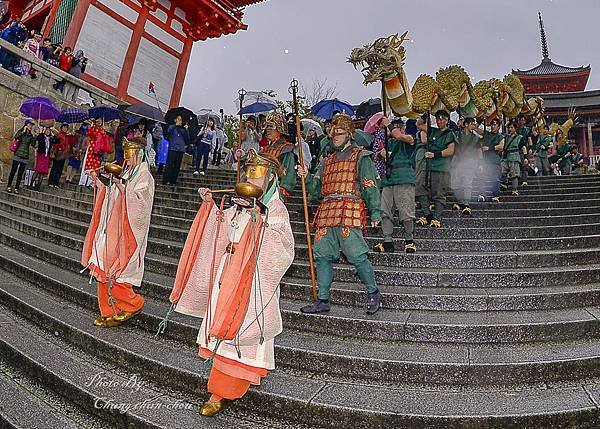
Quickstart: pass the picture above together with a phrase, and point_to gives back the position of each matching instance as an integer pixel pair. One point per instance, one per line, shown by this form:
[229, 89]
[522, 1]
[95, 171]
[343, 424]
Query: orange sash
[88, 244]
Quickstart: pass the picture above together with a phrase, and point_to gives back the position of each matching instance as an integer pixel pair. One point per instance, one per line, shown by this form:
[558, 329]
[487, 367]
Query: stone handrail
[48, 74]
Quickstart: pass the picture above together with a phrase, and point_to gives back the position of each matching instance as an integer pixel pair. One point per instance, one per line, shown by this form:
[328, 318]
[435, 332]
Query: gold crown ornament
[275, 121]
[130, 147]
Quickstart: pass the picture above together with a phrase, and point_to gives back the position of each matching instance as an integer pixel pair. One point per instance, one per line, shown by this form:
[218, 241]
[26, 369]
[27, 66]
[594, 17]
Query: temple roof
[547, 67]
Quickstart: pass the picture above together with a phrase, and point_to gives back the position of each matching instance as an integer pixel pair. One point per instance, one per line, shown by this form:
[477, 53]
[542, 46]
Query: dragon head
[382, 58]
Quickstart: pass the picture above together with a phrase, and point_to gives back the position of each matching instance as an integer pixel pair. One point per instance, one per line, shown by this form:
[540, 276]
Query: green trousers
[327, 249]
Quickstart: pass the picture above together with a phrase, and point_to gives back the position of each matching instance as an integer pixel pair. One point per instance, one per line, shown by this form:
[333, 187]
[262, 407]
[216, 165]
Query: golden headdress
[275, 120]
[343, 121]
[259, 163]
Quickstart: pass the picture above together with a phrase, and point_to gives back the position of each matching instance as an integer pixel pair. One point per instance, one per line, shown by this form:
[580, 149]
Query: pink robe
[121, 251]
[191, 291]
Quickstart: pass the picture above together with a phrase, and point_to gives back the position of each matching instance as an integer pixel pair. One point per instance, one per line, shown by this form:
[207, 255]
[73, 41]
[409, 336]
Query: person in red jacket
[65, 60]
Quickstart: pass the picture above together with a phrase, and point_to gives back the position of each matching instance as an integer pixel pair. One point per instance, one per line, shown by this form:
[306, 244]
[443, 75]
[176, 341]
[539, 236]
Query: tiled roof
[547, 67]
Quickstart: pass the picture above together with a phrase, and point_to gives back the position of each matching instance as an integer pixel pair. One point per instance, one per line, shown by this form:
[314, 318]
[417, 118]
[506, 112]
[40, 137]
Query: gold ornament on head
[275, 121]
[344, 122]
[258, 164]
[130, 147]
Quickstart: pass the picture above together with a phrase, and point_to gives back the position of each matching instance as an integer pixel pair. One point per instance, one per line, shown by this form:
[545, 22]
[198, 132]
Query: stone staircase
[494, 323]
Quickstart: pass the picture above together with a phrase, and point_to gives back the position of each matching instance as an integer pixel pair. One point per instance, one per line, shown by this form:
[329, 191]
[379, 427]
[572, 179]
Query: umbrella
[144, 110]
[257, 108]
[39, 108]
[311, 124]
[256, 102]
[363, 139]
[188, 118]
[373, 122]
[368, 108]
[325, 108]
[106, 113]
[204, 114]
[72, 116]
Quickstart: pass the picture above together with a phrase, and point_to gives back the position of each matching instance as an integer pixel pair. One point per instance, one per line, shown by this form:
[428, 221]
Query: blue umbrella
[258, 107]
[106, 113]
[325, 108]
[72, 116]
[39, 108]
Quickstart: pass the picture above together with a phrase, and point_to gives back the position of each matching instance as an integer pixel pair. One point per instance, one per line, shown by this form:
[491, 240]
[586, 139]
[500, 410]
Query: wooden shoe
[495, 199]
[515, 193]
[466, 211]
[410, 247]
[212, 408]
[524, 184]
[455, 206]
[123, 316]
[106, 322]
[435, 223]
[422, 221]
[481, 198]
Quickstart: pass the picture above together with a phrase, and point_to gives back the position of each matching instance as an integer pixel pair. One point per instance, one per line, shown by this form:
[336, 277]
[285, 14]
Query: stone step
[179, 233]
[469, 260]
[25, 405]
[452, 219]
[327, 402]
[389, 324]
[352, 293]
[93, 380]
[414, 363]
[385, 275]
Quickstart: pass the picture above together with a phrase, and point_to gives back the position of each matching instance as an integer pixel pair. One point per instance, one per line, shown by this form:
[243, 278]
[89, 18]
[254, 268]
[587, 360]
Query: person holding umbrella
[23, 140]
[59, 153]
[203, 143]
[44, 142]
[81, 143]
[178, 137]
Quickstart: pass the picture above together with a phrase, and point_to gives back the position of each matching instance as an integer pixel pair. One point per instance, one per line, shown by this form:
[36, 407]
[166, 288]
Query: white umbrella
[311, 124]
[204, 114]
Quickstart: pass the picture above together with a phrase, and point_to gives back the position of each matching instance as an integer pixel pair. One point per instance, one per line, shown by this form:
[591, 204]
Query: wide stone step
[24, 405]
[117, 394]
[295, 397]
[468, 260]
[385, 275]
[352, 293]
[178, 232]
[394, 325]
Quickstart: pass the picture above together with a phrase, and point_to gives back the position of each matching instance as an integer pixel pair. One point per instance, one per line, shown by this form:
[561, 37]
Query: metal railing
[47, 75]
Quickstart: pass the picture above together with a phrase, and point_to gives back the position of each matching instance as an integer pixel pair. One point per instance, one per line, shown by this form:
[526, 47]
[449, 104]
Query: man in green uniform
[563, 151]
[433, 168]
[492, 145]
[398, 188]
[347, 182]
[525, 132]
[543, 144]
[464, 164]
[576, 161]
[511, 157]
[283, 150]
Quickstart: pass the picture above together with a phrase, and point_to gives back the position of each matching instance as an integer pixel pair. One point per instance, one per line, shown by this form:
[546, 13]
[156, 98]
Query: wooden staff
[313, 279]
[242, 93]
[388, 170]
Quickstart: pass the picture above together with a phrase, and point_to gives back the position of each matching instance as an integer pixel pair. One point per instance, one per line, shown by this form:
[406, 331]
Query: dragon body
[451, 89]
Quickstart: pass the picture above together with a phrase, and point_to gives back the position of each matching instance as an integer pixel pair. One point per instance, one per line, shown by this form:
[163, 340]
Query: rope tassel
[162, 326]
[209, 362]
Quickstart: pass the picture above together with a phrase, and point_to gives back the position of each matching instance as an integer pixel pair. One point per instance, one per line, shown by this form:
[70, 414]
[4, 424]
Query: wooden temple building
[562, 87]
[130, 43]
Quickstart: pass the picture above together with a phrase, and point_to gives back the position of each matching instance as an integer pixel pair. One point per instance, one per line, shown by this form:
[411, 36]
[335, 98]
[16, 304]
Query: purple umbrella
[39, 108]
[72, 116]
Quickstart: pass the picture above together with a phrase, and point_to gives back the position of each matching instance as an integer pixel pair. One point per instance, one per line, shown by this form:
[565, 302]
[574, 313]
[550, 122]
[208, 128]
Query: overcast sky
[311, 39]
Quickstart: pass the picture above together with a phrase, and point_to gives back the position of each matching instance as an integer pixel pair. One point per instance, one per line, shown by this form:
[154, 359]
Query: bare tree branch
[321, 89]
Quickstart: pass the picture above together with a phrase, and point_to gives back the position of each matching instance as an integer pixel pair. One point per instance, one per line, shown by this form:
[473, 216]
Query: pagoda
[549, 77]
[130, 43]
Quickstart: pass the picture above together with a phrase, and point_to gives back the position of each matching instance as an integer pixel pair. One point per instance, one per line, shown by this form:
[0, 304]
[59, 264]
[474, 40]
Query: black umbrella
[188, 118]
[144, 110]
[368, 108]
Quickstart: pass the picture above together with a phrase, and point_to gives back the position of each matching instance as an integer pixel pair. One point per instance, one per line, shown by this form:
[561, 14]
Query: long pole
[388, 172]
[313, 278]
[242, 93]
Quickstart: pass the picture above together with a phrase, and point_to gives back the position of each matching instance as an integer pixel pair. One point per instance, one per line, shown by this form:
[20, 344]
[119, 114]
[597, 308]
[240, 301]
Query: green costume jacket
[366, 173]
[545, 141]
[575, 160]
[524, 132]
[561, 151]
[490, 141]
[467, 146]
[27, 140]
[511, 147]
[438, 141]
[401, 165]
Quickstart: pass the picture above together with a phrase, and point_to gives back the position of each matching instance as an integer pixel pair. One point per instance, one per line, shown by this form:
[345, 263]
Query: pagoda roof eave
[548, 68]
